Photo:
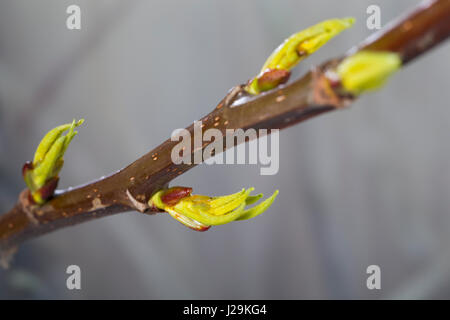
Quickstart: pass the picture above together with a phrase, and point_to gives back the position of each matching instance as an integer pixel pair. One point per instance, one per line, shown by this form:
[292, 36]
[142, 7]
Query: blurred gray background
[367, 185]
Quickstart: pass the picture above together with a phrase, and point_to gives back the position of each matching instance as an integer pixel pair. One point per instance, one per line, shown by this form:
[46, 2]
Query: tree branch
[130, 188]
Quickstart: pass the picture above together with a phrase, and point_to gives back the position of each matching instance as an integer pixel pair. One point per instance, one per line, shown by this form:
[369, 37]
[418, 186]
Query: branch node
[28, 206]
[323, 92]
[139, 206]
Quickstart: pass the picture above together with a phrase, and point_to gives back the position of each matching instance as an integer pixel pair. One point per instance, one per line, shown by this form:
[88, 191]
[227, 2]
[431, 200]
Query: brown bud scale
[175, 194]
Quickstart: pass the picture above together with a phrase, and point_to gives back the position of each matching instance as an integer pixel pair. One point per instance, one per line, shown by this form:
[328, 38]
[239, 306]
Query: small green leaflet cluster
[200, 212]
[41, 175]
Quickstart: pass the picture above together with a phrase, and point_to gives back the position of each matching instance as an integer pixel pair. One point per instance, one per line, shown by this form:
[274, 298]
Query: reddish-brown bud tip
[175, 194]
[46, 192]
[27, 166]
[272, 78]
[201, 229]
